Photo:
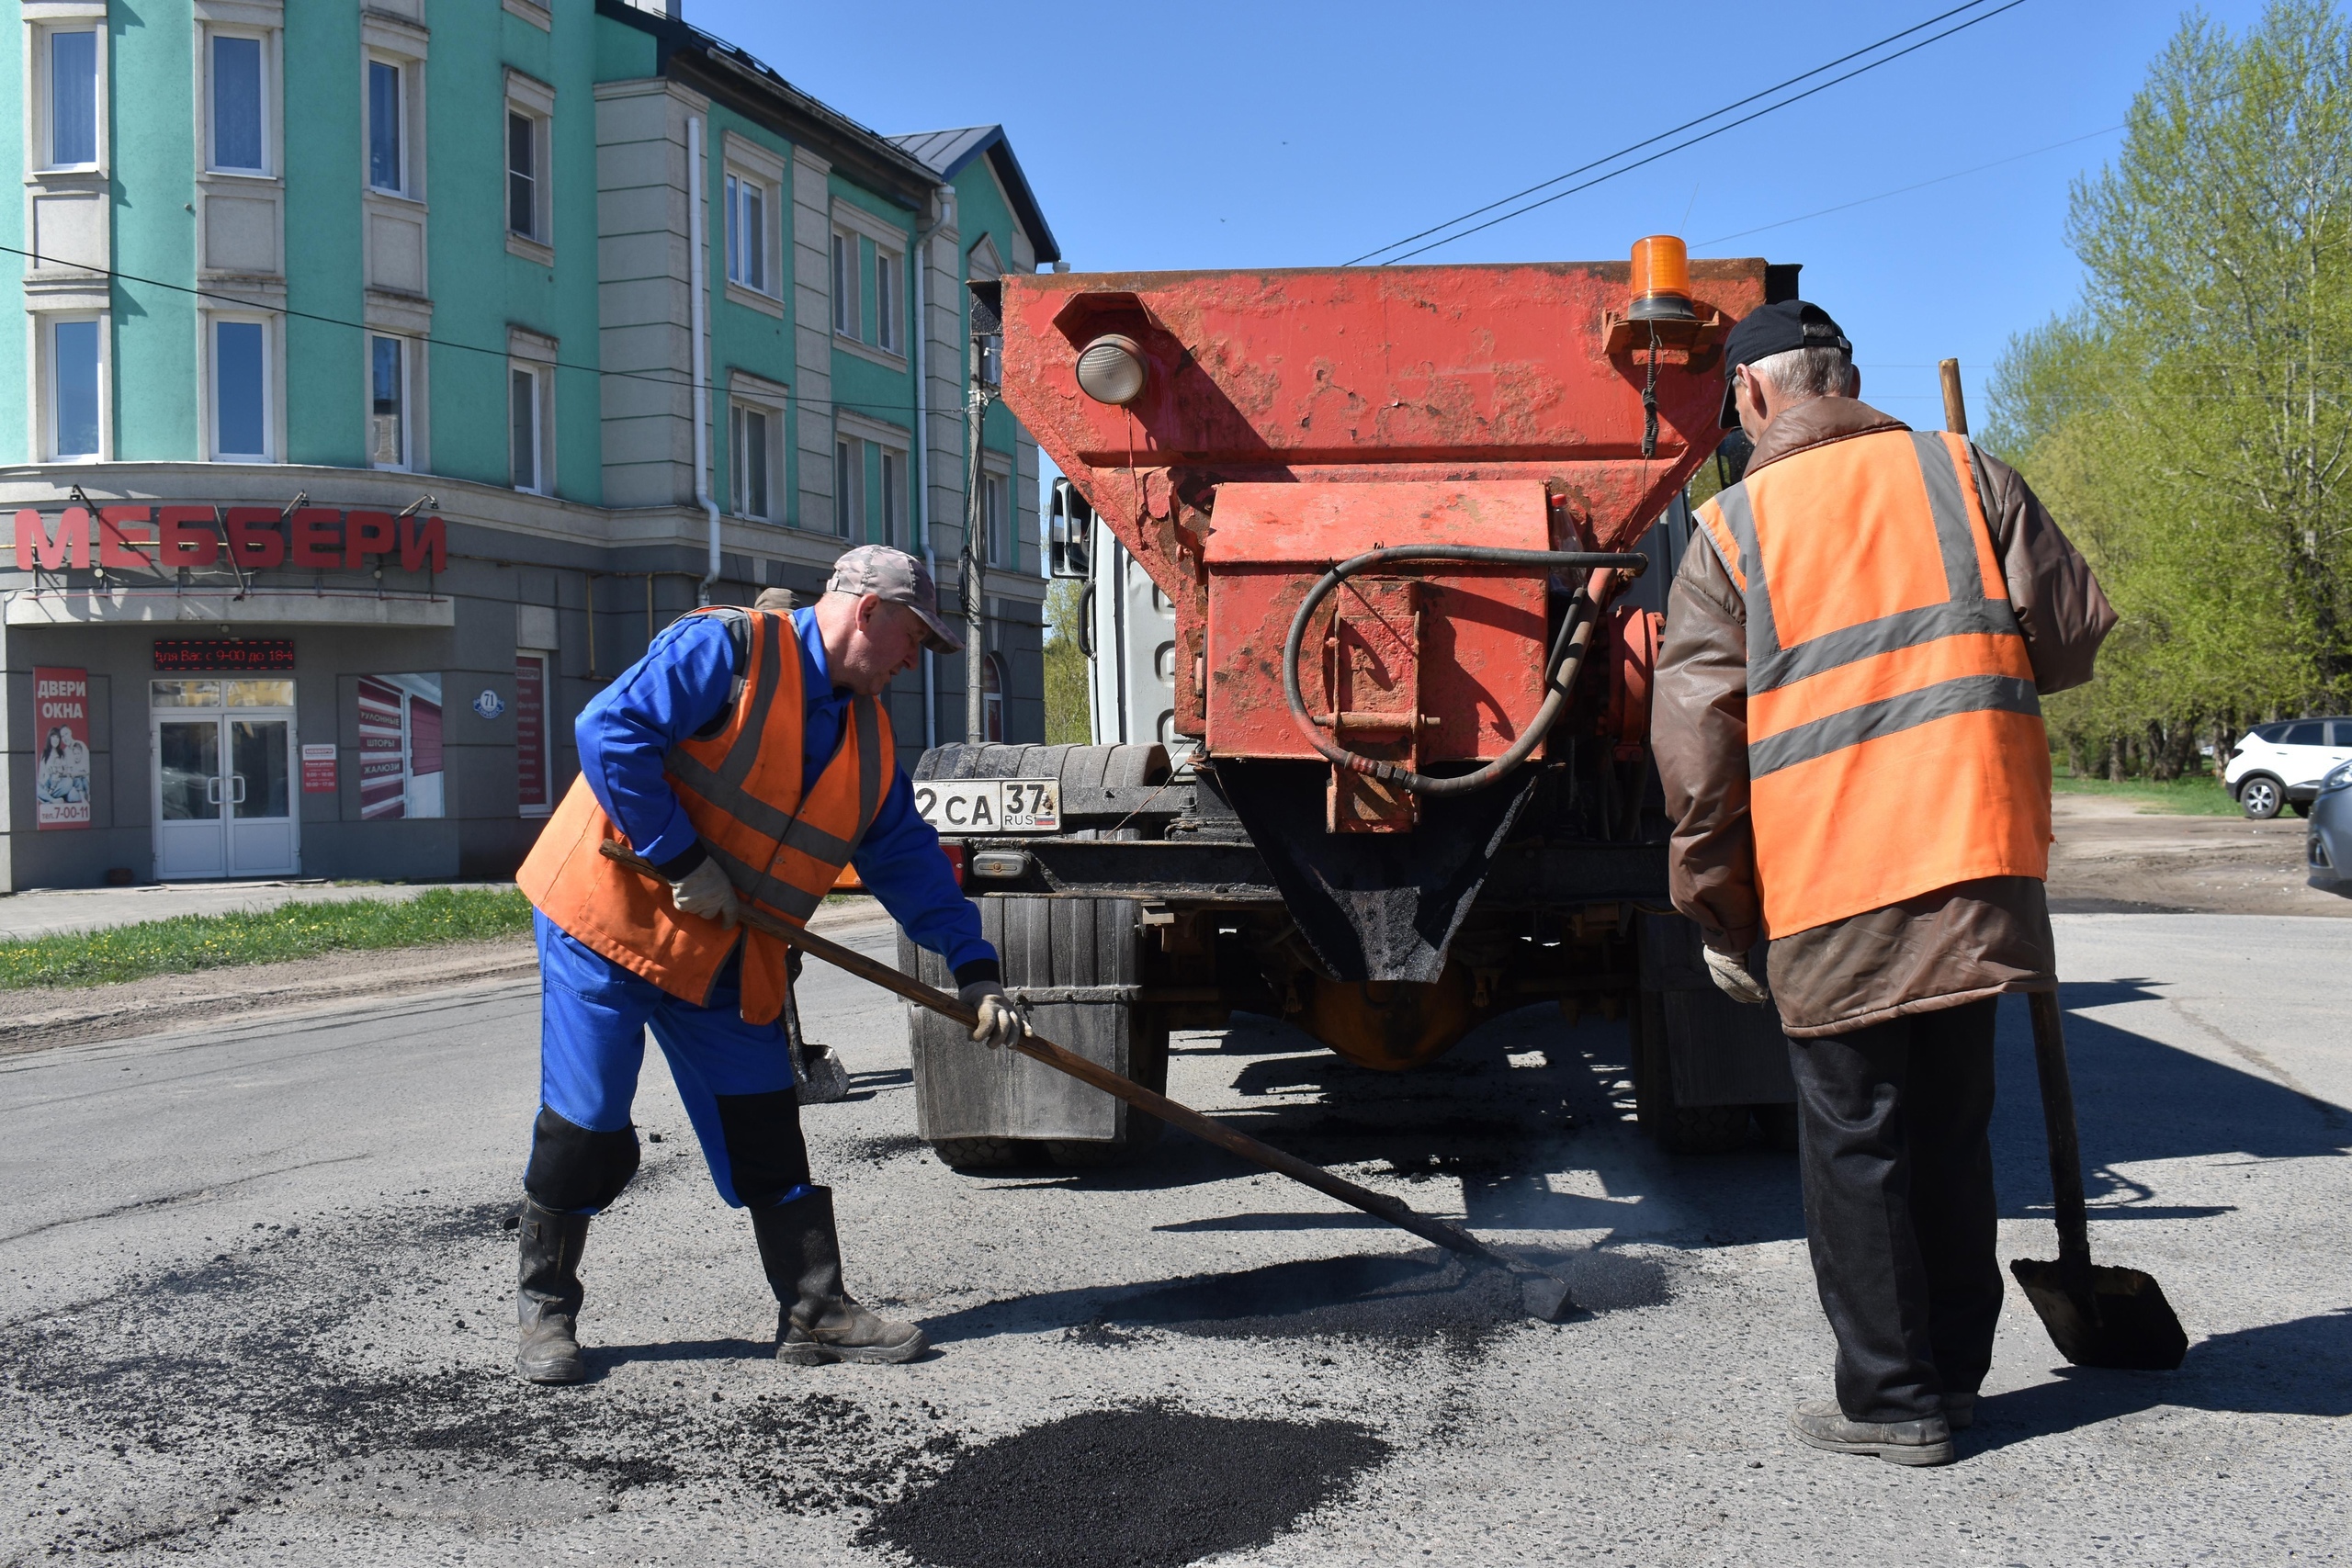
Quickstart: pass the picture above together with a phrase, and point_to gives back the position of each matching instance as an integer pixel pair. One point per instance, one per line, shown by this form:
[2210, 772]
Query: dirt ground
[2111, 857]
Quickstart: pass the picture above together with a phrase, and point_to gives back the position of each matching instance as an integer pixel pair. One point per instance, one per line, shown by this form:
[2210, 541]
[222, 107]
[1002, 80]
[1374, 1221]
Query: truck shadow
[1533, 1120]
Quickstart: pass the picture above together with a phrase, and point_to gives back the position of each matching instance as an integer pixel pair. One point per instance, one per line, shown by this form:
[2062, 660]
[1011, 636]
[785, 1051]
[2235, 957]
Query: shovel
[1544, 1296]
[2097, 1316]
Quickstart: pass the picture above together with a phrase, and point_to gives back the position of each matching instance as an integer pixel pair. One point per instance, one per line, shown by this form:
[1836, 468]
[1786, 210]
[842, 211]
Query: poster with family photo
[61, 746]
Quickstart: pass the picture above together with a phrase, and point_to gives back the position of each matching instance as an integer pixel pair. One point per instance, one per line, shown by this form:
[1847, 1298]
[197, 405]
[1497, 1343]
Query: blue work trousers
[735, 1077]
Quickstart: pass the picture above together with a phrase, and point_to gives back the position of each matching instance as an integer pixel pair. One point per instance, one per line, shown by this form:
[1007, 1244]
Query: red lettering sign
[183, 546]
[254, 538]
[315, 543]
[423, 545]
[61, 746]
[366, 534]
[35, 544]
[117, 544]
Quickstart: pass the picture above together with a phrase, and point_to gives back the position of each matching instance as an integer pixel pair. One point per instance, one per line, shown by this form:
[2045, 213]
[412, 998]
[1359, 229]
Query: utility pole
[984, 388]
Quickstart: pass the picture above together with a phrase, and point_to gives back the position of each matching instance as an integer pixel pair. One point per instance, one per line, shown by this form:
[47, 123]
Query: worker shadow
[603, 1359]
[2301, 1367]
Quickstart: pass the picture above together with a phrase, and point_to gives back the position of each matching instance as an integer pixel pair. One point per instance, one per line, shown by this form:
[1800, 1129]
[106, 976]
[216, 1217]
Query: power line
[1922, 184]
[1662, 135]
[663, 379]
[1704, 135]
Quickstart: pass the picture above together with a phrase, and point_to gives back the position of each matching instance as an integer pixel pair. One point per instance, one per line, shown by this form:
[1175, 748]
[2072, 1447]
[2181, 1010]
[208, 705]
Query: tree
[2191, 421]
[1066, 718]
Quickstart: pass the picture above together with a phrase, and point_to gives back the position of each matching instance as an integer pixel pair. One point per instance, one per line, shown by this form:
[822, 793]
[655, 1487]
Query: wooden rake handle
[1038, 1048]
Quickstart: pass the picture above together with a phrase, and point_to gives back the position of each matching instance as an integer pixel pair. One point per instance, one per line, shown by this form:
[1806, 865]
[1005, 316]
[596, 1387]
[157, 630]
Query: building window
[992, 696]
[845, 311]
[849, 487]
[388, 404]
[885, 299]
[747, 231]
[524, 176]
[73, 100]
[387, 130]
[527, 428]
[894, 494]
[240, 392]
[237, 109]
[76, 405]
[749, 435]
[994, 515]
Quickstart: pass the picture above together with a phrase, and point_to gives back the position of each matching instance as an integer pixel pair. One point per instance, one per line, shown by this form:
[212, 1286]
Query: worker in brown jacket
[1848, 724]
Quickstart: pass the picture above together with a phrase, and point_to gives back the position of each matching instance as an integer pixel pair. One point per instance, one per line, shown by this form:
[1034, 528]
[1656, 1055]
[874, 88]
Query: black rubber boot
[548, 1295]
[817, 1320]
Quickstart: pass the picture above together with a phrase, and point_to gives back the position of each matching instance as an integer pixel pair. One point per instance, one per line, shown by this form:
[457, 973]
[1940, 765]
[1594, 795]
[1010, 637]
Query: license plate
[978, 806]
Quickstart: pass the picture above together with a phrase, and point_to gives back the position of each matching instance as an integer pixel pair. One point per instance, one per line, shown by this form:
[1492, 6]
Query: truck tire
[984, 1154]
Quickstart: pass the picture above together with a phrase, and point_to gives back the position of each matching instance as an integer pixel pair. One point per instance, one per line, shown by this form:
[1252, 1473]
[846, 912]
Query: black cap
[1776, 329]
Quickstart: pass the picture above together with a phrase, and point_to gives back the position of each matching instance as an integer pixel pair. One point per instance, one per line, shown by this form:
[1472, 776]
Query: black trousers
[1899, 1210]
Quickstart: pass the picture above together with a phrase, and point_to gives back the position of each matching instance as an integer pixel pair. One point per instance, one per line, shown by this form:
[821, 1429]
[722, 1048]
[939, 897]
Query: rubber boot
[548, 1296]
[817, 1320]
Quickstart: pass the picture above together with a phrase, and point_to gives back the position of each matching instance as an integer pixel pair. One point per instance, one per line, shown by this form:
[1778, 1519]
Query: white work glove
[1001, 1022]
[1732, 979]
[705, 891]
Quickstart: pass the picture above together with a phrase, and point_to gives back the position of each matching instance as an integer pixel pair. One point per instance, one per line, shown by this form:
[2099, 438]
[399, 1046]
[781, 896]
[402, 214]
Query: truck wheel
[984, 1154]
[1677, 1128]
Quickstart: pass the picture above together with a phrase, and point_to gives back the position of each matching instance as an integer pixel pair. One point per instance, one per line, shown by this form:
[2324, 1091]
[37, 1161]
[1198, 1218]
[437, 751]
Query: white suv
[2281, 764]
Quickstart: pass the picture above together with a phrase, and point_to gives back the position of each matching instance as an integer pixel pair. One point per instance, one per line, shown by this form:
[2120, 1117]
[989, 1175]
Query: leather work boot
[1959, 1411]
[548, 1296]
[1818, 1423]
[817, 1320]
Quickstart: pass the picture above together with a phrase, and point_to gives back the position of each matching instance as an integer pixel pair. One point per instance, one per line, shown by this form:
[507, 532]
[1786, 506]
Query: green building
[357, 433]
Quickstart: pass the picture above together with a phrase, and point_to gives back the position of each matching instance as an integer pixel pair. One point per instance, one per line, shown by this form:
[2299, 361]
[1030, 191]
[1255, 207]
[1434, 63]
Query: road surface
[255, 1306]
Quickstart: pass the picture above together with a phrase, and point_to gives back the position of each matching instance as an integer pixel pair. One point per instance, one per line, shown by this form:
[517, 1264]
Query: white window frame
[849, 487]
[529, 98]
[405, 98]
[888, 292]
[848, 309]
[45, 324]
[993, 709]
[894, 495]
[995, 531]
[273, 381]
[40, 128]
[267, 38]
[543, 425]
[750, 271]
[409, 379]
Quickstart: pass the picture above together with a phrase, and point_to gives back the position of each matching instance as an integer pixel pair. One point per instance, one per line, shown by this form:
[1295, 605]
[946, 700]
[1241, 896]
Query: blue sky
[1212, 134]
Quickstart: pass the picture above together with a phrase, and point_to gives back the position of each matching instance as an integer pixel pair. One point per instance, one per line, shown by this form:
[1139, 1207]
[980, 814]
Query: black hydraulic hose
[1567, 657]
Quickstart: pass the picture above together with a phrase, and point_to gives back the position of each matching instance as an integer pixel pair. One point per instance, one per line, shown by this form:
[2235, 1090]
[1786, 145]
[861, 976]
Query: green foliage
[1067, 718]
[2191, 421]
[2198, 794]
[188, 943]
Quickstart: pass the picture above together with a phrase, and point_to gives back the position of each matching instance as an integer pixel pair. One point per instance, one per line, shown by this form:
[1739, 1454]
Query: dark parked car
[2328, 850]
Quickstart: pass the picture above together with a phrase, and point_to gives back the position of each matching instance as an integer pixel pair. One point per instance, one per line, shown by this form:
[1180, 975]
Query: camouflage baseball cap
[900, 577]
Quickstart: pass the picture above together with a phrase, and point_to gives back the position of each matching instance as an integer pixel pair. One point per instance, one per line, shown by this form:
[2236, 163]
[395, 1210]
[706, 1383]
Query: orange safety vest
[1894, 737]
[742, 789]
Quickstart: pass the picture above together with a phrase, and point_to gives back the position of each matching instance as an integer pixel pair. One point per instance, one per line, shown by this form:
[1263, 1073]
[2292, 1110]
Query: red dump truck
[1400, 514]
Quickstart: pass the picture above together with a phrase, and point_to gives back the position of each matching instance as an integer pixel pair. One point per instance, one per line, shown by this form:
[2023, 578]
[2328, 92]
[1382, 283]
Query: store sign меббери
[255, 539]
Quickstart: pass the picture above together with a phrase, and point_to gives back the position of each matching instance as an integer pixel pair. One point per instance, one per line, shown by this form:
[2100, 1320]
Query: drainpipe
[698, 246]
[921, 460]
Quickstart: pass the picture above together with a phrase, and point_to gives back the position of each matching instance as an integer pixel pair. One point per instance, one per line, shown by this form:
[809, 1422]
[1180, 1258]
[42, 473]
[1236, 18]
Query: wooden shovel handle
[1038, 1048]
[2065, 1147]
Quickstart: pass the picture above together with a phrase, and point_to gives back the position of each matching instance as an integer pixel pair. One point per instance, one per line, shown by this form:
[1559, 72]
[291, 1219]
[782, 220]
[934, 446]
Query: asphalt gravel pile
[257, 1378]
[1147, 1487]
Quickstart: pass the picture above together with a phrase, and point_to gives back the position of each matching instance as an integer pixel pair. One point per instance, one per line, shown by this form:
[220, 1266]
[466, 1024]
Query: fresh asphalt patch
[1151, 1487]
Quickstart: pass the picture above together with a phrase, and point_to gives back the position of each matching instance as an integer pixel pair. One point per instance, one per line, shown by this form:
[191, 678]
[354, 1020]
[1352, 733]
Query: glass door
[224, 786]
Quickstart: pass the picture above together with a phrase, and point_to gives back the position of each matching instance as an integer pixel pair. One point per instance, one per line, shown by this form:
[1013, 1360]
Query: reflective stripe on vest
[1885, 663]
[781, 845]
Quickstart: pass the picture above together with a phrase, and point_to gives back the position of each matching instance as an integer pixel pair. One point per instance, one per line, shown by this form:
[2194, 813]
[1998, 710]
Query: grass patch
[2201, 795]
[189, 942]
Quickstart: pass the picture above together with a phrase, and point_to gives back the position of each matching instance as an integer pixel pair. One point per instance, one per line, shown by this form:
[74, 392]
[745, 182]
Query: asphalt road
[256, 1307]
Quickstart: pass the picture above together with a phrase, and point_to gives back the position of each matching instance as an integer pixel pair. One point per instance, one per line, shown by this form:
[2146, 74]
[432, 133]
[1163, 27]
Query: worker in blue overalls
[747, 757]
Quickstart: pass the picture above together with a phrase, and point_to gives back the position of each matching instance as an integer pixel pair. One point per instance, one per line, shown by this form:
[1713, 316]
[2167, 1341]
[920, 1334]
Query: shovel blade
[1545, 1298]
[2124, 1322]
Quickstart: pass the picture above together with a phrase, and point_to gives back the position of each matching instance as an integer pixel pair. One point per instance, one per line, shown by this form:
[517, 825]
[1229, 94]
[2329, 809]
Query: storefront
[204, 689]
